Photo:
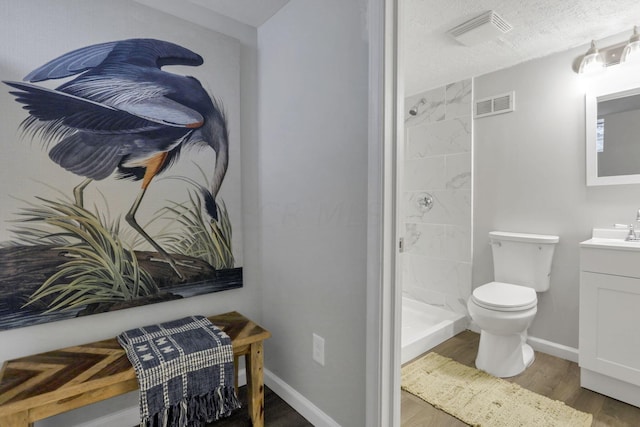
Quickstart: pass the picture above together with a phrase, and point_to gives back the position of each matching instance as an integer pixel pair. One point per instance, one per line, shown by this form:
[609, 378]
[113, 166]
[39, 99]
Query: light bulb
[592, 61]
[631, 52]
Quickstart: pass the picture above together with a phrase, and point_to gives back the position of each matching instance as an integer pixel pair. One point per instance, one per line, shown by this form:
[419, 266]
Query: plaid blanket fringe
[185, 372]
[197, 410]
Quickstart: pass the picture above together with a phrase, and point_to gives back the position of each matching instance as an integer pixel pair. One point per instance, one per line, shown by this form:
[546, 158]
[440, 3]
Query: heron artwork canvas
[139, 216]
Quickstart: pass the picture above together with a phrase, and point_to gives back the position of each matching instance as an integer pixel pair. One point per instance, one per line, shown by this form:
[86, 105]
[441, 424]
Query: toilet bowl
[503, 312]
[505, 308]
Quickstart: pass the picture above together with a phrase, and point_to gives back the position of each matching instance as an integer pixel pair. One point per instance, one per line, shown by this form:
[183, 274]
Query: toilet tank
[523, 259]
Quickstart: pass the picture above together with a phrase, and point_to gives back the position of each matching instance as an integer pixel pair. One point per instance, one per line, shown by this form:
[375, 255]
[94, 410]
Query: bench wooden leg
[255, 384]
[236, 366]
[20, 419]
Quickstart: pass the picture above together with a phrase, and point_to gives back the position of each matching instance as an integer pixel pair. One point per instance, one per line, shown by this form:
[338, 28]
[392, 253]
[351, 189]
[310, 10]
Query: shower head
[414, 110]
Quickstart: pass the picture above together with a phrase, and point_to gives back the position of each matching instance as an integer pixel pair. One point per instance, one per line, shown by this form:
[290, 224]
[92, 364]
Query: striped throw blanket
[184, 370]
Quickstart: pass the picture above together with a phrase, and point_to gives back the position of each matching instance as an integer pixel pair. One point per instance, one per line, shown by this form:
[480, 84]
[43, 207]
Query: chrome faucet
[632, 234]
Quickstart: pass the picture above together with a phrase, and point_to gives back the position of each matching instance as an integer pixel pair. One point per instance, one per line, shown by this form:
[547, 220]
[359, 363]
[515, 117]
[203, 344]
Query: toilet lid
[504, 297]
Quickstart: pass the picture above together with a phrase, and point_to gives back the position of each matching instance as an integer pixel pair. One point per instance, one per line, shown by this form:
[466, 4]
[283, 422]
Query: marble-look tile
[436, 264]
[450, 302]
[446, 137]
[429, 274]
[464, 280]
[458, 99]
[432, 110]
[425, 239]
[457, 242]
[458, 171]
[456, 304]
[449, 207]
[425, 173]
[426, 296]
[438, 241]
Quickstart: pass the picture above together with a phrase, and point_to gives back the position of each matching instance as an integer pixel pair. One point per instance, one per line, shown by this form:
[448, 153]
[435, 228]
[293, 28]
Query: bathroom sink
[612, 238]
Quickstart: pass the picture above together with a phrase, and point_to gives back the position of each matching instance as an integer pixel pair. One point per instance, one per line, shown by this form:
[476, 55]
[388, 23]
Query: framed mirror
[613, 135]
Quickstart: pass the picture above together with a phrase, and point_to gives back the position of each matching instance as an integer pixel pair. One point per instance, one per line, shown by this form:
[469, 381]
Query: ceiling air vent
[493, 105]
[480, 29]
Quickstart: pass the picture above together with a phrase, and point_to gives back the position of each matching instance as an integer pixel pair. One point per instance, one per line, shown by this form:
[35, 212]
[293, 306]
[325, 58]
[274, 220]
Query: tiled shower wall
[436, 262]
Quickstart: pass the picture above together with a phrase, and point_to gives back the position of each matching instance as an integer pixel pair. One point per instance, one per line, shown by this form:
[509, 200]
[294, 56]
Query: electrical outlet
[318, 349]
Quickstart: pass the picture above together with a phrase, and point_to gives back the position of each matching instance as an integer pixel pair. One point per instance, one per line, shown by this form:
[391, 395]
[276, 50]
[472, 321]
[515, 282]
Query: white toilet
[504, 309]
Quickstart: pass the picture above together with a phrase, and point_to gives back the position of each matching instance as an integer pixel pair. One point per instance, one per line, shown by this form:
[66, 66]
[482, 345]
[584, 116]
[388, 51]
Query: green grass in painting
[199, 236]
[100, 269]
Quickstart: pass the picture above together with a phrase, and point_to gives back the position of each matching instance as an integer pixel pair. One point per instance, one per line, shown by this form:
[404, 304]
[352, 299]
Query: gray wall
[304, 165]
[313, 190]
[529, 176]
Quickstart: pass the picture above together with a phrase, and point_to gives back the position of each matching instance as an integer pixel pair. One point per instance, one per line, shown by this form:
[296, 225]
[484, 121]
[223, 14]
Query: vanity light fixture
[592, 61]
[598, 59]
[631, 52]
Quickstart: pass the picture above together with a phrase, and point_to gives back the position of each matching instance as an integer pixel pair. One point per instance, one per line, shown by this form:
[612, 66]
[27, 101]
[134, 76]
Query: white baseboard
[301, 404]
[554, 349]
[544, 346]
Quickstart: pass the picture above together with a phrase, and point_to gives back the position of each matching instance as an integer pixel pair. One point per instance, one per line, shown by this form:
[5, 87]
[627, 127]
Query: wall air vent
[493, 105]
[480, 29]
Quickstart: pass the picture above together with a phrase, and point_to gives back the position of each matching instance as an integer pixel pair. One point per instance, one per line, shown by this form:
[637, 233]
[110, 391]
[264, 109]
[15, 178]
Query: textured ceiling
[540, 27]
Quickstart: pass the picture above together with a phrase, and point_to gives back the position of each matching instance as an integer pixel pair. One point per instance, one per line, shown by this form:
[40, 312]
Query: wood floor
[277, 413]
[550, 376]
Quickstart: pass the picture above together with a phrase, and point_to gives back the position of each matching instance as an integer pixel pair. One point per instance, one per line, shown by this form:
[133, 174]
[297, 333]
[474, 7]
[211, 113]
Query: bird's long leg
[131, 219]
[78, 192]
[153, 167]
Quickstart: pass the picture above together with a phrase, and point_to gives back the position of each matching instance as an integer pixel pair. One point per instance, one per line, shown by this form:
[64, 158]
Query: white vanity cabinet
[610, 319]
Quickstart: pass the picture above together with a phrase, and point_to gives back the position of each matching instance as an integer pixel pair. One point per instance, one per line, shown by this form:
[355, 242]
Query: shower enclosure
[437, 216]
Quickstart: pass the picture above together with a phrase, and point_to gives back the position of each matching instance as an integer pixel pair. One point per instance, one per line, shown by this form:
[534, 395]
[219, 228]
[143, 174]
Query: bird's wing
[144, 52]
[71, 63]
[153, 53]
[88, 154]
[164, 110]
[83, 114]
[75, 112]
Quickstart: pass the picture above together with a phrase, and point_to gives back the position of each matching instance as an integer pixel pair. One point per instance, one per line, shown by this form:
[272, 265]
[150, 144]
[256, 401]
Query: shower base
[425, 326]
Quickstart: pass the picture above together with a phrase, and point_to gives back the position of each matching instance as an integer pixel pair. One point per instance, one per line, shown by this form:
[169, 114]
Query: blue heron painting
[119, 115]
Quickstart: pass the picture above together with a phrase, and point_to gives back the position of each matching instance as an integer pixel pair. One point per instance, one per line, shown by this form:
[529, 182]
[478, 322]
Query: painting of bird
[120, 114]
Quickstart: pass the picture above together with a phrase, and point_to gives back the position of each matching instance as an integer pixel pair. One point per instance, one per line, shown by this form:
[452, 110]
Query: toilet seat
[500, 296]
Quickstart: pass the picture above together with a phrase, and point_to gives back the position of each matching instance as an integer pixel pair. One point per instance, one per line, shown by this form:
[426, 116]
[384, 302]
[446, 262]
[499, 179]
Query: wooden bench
[40, 386]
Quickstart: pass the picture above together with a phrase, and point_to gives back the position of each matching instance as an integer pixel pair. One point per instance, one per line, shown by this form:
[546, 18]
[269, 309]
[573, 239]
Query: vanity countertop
[611, 238]
[615, 244]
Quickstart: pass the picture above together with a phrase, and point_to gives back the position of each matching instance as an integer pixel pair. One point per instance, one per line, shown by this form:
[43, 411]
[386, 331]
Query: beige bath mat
[480, 399]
